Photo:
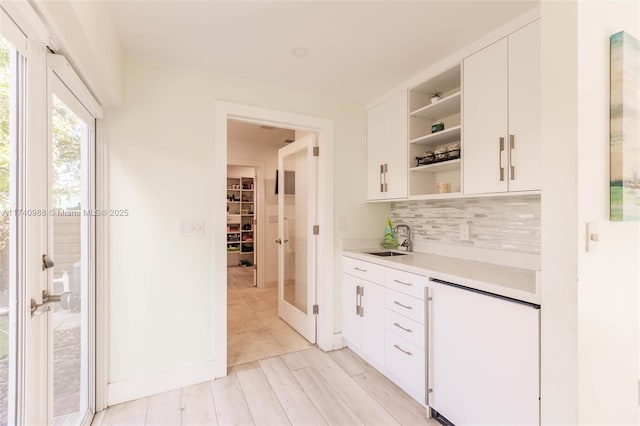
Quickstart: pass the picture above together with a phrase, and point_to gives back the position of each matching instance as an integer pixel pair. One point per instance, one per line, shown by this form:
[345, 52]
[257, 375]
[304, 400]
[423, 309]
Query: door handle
[279, 241]
[47, 262]
[47, 299]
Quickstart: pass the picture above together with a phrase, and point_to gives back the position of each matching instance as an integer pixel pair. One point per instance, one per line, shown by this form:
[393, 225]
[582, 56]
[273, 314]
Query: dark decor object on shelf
[437, 127]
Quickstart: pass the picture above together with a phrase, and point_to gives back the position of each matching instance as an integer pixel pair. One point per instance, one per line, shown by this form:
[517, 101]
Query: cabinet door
[387, 147]
[351, 323]
[485, 120]
[395, 147]
[373, 322]
[524, 108]
[484, 358]
[376, 136]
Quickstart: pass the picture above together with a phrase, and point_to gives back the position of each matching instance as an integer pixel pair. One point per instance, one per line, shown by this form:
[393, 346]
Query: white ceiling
[357, 49]
[241, 130]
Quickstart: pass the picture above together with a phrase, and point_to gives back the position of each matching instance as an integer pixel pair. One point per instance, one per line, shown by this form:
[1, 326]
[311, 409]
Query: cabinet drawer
[365, 270]
[404, 327]
[407, 306]
[404, 361]
[405, 282]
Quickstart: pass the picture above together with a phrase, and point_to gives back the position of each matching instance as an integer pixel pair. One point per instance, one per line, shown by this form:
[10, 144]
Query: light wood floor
[308, 387]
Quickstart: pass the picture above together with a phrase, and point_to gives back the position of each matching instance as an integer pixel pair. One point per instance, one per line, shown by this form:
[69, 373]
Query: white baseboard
[128, 390]
[338, 343]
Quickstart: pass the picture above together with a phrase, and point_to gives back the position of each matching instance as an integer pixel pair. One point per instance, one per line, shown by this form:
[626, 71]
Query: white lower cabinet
[478, 354]
[404, 364]
[363, 323]
[484, 358]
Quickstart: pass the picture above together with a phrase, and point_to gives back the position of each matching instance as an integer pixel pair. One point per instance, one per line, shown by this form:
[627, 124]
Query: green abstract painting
[625, 128]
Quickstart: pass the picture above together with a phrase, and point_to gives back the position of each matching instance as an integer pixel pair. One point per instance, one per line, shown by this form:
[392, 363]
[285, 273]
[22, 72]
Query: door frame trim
[325, 291]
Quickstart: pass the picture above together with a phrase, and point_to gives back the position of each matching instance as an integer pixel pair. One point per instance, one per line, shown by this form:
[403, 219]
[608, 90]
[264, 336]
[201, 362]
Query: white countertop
[516, 283]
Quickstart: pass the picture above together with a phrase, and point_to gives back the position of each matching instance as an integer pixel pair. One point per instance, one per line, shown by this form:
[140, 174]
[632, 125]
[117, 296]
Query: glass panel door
[70, 249]
[9, 59]
[297, 249]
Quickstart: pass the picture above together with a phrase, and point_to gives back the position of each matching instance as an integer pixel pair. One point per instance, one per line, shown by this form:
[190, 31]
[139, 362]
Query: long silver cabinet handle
[386, 169]
[403, 283]
[500, 159]
[381, 178]
[357, 300]
[408, 330]
[402, 350]
[404, 306]
[512, 145]
[361, 270]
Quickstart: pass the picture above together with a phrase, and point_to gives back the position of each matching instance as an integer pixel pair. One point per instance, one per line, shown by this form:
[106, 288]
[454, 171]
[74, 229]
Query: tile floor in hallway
[254, 330]
[308, 387]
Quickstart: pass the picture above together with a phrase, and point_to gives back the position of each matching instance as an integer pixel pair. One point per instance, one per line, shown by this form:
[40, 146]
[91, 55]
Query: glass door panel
[8, 228]
[297, 170]
[295, 225]
[69, 235]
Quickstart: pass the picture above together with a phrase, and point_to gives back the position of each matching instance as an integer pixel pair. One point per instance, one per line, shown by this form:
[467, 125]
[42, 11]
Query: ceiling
[244, 131]
[357, 49]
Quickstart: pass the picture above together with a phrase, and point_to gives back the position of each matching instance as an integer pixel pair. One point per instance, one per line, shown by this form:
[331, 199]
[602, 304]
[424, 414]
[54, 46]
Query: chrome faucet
[407, 244]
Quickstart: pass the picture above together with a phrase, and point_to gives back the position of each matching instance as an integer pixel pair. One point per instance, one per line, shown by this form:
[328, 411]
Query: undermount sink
[386, 253]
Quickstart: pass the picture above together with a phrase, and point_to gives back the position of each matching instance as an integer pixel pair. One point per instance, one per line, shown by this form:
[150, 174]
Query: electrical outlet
[464, 232]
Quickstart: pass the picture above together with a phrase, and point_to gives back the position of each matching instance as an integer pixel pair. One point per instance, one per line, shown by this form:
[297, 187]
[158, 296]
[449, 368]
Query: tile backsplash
[502, 223]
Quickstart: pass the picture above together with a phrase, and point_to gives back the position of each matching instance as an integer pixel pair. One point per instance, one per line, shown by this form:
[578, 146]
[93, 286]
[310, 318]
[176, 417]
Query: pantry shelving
[241, 203]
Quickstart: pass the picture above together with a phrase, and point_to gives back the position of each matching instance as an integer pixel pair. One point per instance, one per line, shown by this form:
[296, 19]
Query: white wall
[160, 153]
[609, 276]
[85, 34]
[589, 300]
[559, 214]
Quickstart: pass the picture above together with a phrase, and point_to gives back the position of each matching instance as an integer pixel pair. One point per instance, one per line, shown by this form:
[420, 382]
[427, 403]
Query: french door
[46, 236]
[297, 195]
[69, 299]
[12, 64]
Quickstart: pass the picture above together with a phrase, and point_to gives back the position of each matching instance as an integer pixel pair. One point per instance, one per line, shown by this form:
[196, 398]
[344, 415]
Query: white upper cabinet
[485, 116]
[524, 108]
[387, 149]
[501, 115]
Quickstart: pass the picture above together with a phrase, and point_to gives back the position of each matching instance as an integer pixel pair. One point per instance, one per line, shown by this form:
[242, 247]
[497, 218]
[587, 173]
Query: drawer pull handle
[361, 270]
[408, 330]
[402, 350]
[400, 304]
[403, 283]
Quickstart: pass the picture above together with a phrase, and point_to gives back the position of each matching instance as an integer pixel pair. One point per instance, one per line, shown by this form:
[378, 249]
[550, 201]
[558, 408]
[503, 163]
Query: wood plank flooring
[308, 387]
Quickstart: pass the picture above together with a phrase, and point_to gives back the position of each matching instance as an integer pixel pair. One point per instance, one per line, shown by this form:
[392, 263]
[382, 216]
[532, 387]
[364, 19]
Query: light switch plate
[592, 236]
[192, 228]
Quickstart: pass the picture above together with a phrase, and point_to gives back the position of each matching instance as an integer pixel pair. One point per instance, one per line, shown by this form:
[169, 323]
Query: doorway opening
[255, 328]
[321, 130]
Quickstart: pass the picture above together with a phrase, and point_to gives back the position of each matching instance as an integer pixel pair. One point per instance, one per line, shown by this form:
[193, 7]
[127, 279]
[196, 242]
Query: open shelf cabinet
[444, 145]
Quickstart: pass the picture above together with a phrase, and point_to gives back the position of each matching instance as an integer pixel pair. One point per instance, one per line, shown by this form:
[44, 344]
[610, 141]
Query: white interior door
[297, 194]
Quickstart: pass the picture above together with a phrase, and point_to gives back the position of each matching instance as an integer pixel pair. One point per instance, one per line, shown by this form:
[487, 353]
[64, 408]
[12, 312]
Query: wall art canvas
[625, 128]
